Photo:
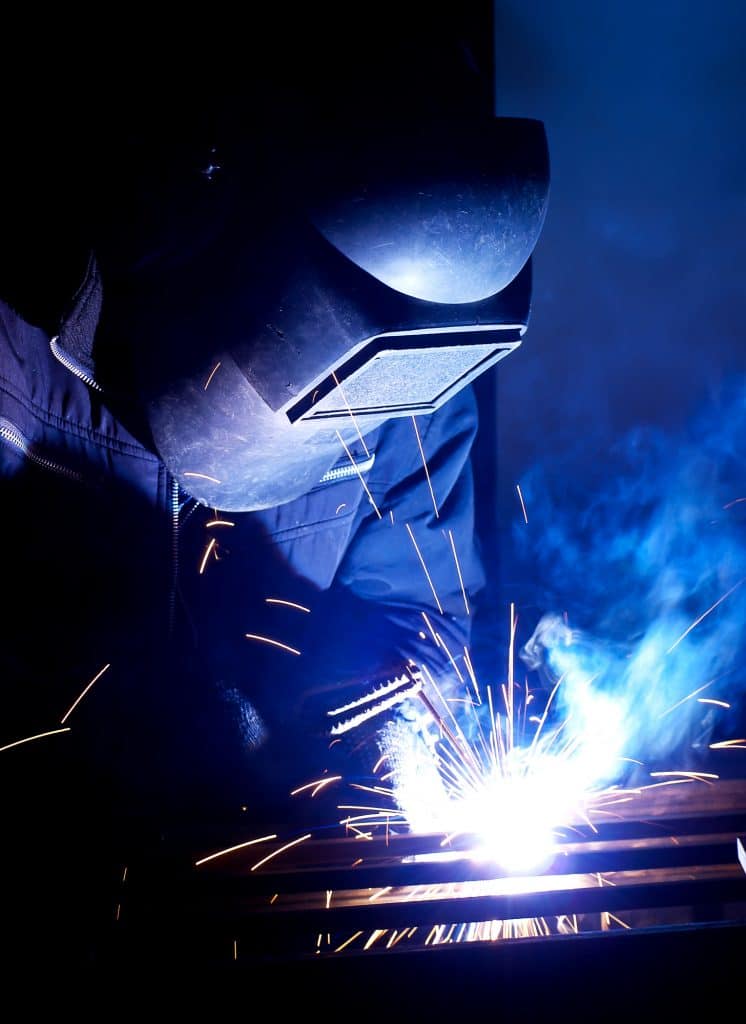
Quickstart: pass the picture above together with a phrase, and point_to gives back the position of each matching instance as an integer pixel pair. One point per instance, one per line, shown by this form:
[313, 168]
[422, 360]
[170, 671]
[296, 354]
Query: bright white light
[516, 810]
[512, 833]
[516, 799]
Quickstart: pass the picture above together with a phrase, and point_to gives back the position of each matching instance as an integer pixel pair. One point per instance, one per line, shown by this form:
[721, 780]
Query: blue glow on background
[632, 553]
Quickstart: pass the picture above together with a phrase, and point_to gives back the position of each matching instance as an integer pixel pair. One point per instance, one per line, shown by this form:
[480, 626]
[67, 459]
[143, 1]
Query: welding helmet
[304, 298]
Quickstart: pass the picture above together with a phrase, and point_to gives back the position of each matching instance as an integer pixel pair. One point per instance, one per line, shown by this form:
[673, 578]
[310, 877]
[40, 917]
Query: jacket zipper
[69, 363]
[78, 371]
[343, 472]
[175, 510]
[13, 436]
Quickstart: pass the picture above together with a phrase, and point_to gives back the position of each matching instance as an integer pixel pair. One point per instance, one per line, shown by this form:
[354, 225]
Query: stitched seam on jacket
[316, 524]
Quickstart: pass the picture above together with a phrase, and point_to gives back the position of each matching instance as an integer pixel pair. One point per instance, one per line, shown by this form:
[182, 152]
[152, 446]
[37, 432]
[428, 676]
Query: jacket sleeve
[408, 582]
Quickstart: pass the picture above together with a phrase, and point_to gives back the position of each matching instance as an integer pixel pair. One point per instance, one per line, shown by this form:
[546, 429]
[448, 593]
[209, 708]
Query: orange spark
[450, 657]
[282, 849]
[704, 615]
[208, 550]
[357, 470]
[288, 604]
[352, 416]
[685, 775]
[432, 631]
[38, 736]
[203, 476]
[424, 464]
[347, 942]
[316, 785]
[212, 374]
[427, 574]
[376, 934]
[523, 504]
[511, 650]
[274, 643]
[472, 674]
[458, 570]
[668, 782]
[79, 699]
[685, 699]
[230, 849]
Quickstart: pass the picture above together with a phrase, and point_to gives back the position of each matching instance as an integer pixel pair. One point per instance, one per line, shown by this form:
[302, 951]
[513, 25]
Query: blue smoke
[632, 546]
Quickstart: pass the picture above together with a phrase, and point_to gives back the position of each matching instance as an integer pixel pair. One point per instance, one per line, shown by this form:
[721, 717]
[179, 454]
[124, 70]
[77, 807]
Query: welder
[236, 418]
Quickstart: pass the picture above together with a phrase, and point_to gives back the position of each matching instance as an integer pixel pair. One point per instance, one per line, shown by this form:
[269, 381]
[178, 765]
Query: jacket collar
[78, 328]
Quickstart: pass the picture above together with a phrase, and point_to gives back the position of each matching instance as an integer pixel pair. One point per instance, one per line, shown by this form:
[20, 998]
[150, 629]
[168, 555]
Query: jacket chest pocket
[313, 532]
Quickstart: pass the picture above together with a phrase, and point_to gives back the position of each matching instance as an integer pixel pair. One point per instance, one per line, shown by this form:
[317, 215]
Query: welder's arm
[412, 568]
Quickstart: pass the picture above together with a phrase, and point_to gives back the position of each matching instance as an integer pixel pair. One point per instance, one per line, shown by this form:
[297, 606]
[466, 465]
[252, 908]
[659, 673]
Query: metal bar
[344, 851]
[520, 906]
[689, 864]
[208, 886]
